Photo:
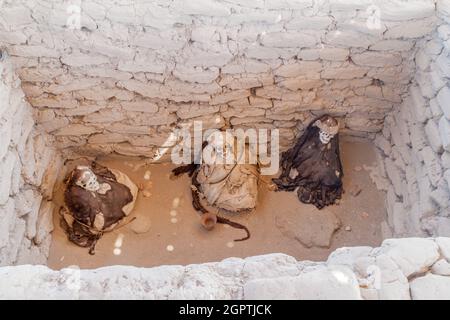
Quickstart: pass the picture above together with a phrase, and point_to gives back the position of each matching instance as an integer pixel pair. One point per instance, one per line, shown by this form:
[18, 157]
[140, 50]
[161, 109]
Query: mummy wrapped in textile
[313, 165]
[96, 200]
[225, 182]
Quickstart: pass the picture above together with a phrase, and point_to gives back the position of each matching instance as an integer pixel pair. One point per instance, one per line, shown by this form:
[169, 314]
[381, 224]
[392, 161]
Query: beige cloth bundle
[230, 186]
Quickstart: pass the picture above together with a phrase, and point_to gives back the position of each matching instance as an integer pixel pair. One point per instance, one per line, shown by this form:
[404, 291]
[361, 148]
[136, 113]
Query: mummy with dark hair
[313, 165]
[96, 199]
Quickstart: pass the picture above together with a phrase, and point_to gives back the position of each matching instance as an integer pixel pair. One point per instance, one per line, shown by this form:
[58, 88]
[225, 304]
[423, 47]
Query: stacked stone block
[400, 269]
[28, 169]
[415, 141]
[120, 76]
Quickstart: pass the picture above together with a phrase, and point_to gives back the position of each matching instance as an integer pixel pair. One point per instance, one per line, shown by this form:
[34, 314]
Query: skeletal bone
[87, 180]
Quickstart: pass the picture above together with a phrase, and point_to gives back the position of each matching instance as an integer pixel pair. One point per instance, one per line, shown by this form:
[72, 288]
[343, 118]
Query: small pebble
[365, 215]
[119, 240]
[272, 186]
[348, 228]
[146, 193]
[175, 202]
[170, 248]
[141, 224]
[355, 190]
[147, 175]
[358, 168]
[230, 244]
[174, 220]
[173, 213]
[117, 251]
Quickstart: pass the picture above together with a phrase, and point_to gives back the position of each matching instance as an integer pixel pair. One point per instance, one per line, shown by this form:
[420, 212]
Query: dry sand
[175, 235]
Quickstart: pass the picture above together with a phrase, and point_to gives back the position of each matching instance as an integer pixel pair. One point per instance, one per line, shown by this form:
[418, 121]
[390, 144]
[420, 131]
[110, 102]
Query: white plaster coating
[28, 168]
[349, 273]
[415, 143]
[143, 63]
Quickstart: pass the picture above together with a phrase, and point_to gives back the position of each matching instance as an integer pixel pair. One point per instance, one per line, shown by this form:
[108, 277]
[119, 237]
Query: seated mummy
[313, 166]
[96, 199]
[224, 182]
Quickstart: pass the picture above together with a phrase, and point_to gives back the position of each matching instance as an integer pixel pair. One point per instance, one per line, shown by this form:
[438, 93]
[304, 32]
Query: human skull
[325, 137]
[328, 126]
[87, 179]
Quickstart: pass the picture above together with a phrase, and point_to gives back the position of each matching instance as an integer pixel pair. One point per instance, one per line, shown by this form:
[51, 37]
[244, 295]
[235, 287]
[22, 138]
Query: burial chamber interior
[113, 80]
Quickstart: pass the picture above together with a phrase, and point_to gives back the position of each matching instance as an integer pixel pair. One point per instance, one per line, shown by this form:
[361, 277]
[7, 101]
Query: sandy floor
[174, 224]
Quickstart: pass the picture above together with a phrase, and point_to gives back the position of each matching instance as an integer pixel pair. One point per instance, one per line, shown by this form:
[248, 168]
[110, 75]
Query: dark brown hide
[84, 205]
[319, 168]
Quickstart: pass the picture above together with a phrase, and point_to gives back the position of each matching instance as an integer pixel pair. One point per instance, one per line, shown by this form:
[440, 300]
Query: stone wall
[120, 75]
[409, 268]
[28, 169]
[415, 142]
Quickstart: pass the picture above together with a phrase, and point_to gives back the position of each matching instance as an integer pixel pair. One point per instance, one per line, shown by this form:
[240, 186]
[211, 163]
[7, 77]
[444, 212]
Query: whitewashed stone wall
[415, 142]
[106, 76]
[28, 168]
[133, 70]
[409, 268]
